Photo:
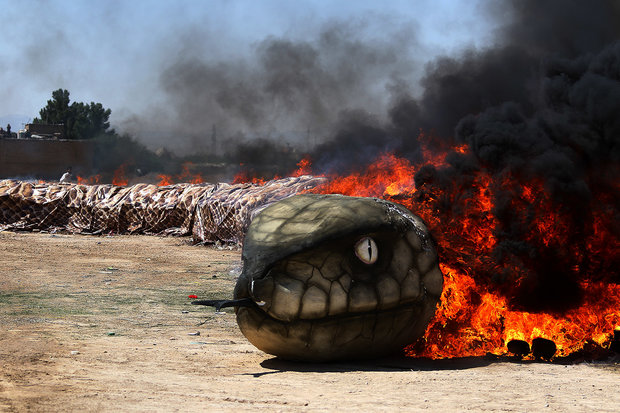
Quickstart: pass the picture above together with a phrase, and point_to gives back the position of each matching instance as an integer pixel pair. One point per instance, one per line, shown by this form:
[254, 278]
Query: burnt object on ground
[519, 348]
[543, 348]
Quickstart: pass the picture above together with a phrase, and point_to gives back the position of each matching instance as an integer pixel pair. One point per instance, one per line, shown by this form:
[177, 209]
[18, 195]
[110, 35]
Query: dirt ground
[104, 324]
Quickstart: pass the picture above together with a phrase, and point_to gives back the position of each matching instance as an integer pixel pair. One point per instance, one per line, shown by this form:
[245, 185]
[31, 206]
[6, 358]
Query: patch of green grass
[54, 305]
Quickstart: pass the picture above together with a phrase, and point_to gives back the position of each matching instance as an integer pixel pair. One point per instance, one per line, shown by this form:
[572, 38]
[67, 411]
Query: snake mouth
[345, 336]
[343, 317]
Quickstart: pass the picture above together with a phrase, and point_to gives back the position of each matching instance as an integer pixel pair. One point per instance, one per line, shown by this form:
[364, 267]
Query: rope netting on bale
[207, 212]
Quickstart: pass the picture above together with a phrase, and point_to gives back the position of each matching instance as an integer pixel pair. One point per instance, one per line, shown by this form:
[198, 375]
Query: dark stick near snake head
[331, 277]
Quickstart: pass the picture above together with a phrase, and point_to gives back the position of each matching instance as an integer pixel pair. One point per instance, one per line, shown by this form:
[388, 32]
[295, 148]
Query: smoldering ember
[510, 156]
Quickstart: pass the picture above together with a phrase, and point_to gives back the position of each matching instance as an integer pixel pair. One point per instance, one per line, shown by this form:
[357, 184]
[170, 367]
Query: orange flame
[91, 180]
[472, 321]
[165, 180]
[185, 176]
[304, 167]
[119, 176]
[244, 176]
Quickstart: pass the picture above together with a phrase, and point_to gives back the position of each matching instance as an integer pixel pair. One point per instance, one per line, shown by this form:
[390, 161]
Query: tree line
[80, 120]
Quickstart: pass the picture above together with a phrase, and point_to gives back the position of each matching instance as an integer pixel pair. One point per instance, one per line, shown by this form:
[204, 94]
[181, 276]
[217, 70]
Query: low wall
[44, 159]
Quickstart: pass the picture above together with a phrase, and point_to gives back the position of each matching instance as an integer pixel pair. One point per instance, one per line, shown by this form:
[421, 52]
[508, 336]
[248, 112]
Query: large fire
[478, 313]
[490, 298]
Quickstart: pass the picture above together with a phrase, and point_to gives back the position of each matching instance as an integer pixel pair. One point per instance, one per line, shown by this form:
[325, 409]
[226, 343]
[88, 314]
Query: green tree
[80, 120]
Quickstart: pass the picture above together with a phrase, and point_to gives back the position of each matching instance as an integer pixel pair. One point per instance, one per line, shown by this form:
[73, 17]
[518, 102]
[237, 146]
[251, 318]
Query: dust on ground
[97, 323]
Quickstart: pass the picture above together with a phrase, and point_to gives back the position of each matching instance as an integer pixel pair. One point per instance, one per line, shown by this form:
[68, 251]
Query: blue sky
[115, 51]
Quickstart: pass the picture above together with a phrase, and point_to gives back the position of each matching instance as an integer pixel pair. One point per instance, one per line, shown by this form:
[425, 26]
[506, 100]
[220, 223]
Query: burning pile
[564, 289]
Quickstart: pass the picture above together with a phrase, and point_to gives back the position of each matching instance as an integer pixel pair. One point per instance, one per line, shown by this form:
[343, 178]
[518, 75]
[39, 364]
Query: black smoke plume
[571, 144]
[536, 35]
[542, 105]
[284, 90]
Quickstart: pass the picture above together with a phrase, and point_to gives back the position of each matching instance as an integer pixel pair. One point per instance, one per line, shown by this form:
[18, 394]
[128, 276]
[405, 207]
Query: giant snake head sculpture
[331, 277]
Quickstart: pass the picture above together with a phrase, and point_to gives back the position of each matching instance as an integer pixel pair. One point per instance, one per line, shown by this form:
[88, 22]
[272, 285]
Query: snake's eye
[366, 250]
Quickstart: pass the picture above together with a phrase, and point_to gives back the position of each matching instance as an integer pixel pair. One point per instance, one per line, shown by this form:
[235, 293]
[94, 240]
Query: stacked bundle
[209, 212]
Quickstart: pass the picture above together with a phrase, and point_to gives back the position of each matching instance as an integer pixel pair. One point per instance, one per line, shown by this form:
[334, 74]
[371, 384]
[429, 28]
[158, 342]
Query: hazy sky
[121, 53]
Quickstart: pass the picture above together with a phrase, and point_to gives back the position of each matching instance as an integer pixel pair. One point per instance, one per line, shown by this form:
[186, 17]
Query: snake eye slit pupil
[366, 250]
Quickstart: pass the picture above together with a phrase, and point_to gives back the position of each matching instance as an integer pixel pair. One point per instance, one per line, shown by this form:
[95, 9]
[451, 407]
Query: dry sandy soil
[104, 324]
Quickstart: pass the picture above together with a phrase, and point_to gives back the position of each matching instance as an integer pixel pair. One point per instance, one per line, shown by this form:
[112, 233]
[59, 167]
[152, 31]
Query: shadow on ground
[277, 365]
